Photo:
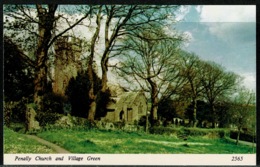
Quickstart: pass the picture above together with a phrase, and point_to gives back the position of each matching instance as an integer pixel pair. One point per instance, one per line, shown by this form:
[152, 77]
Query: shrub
[142, 121]
[163, 130]
[14, 112]
[47, 118]
[243, 136]
[7, 114]
[18, 76]
[77, 92]
[209, 133]
[18, 127]
[102, 100]
[53, 103]
[119, 124]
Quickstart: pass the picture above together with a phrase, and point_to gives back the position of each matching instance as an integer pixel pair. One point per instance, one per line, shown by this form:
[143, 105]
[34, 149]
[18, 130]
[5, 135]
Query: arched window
[121, 115]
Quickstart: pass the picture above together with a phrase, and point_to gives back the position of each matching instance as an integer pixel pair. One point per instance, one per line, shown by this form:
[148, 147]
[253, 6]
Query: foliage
[18, 76]
[34, 28]
[243, 109]
[47, 118]
[53, 103]
[193, 132]
[77, 92]
[101, 101]
[218, 85]
[166, 109]
[224, 114]
[142, 121]
[15, 111]
[163, 130]
[18, 127]
[202, 111]
[149, 55]
[243, 136]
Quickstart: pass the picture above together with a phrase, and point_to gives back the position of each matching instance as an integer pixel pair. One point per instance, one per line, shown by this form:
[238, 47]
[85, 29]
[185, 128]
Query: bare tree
[90, 68]
[121, 21]
[33, 26]
[151, 61]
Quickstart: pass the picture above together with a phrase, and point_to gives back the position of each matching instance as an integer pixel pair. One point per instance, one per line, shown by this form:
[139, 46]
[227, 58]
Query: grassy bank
[18, 143]
[97, 141]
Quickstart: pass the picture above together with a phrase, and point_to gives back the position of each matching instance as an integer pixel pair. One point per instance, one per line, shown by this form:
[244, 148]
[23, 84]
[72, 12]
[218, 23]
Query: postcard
[129, 84]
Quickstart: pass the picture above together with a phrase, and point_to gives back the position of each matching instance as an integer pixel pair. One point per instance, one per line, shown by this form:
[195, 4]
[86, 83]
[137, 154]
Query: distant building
[66, 64]
[127, 106]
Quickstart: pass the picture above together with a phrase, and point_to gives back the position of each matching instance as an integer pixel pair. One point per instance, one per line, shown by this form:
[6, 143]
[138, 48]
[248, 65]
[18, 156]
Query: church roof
[127, 98]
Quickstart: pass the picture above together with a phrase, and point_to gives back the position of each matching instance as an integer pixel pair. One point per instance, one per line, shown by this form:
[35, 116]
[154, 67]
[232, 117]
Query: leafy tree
[193, 89]
[166, 109]
[225, 116]
[217, 86]
[202, 112]
[77, 93]
[18, 80]
[244, 110]
[79, 99]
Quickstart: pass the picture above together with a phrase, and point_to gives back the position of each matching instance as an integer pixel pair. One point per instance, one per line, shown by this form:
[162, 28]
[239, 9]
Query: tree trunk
[154, 109]
[91, 94]
[238, 135]
[146, 121]
[104, 74]
[213, 114]
[92, 111]
[195, 121]
[90, 70]
[45, 26]
[40, 82]
[155, 101]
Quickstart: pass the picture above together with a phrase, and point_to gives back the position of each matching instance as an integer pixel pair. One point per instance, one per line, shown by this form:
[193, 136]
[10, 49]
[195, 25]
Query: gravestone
[31, 123]
[65, 121]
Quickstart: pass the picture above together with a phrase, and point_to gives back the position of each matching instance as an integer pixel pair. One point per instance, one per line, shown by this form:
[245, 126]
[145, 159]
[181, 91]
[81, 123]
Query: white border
[132, 159]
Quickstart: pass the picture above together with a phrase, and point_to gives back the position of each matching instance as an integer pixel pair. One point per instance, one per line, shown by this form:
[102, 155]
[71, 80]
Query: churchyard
[118, 79]
[83, 139]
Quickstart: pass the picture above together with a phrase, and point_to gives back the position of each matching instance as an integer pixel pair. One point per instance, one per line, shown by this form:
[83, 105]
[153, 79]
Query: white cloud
[228, 13]
[227, 22]
[249, 80]
[182, 12]
[198, 8]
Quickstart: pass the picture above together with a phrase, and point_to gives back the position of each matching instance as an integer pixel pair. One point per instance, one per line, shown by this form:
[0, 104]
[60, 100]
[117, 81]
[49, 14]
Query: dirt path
[55, 147]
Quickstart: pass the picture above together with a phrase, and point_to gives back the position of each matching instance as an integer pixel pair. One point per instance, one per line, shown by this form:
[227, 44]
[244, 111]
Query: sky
[223, 34]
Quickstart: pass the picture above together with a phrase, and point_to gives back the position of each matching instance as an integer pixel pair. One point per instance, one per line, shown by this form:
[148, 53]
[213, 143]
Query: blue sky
[223, 34]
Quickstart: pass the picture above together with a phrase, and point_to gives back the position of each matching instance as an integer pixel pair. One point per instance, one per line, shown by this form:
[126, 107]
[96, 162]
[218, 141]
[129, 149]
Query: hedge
[189, 131]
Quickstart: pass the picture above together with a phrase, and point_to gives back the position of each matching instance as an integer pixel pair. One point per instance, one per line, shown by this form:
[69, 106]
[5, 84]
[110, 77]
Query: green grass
[97, 141]
[19, 143]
